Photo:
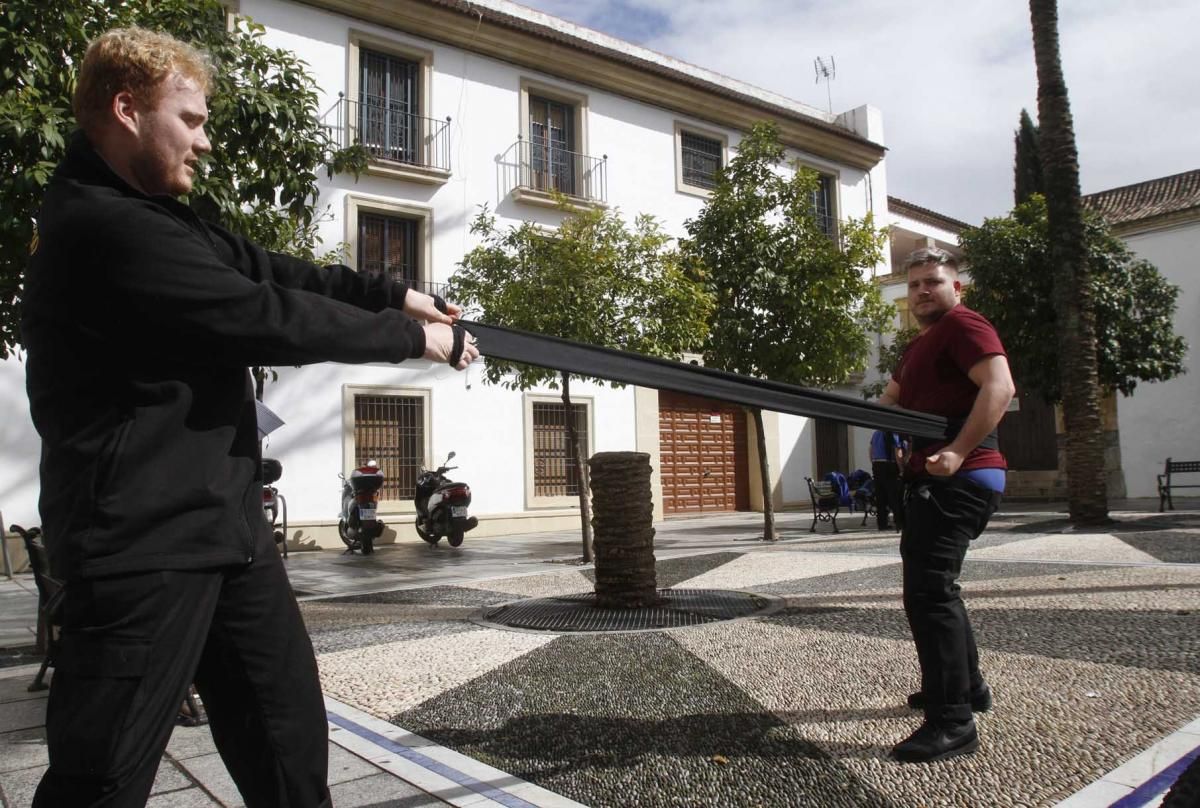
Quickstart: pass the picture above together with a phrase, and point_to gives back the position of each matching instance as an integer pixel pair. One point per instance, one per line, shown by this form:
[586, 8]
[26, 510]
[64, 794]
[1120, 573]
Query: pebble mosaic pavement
[1090, 641]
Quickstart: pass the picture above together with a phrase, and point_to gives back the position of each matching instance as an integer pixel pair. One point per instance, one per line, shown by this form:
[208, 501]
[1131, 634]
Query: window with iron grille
[551, 145]
[700, 158]
[389, 244]
[554, 471]
[391, 431]
[389, 107]
[823, 204]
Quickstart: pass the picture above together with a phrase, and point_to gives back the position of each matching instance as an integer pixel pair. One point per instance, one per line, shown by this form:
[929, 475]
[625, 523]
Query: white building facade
[464, 105]
[1159, 220]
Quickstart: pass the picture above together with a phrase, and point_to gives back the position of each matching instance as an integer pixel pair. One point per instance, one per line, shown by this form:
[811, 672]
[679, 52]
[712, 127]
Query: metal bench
[824, 502]
[49, 595]
[1165, 486]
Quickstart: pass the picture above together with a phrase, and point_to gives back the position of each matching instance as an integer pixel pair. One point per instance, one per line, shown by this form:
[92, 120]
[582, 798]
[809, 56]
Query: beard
[159, 173]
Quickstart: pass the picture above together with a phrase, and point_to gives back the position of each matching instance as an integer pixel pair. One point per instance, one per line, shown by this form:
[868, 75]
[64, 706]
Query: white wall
[483, 423]
[1163, 420]
[22, 449]
[797, 455]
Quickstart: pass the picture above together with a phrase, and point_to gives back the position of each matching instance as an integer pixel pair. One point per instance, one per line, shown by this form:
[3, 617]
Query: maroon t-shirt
[933, 378]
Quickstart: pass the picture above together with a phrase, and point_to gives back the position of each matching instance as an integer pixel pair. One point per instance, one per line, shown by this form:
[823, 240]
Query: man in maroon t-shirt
[956, 367]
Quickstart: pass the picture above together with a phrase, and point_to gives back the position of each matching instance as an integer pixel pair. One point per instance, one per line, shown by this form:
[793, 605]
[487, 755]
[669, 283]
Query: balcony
[428, 287]
[540, 171]
[405, 279]
[399, 144]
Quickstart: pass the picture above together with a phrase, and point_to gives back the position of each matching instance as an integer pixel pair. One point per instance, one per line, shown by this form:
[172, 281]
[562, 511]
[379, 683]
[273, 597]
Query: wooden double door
[704, 457]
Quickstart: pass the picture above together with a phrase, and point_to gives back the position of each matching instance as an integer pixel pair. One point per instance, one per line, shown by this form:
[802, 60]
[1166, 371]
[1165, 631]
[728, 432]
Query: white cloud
[951, 79]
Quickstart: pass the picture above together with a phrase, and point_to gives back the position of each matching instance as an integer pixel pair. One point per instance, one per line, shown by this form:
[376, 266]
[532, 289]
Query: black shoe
[935, 741]
[981, 701]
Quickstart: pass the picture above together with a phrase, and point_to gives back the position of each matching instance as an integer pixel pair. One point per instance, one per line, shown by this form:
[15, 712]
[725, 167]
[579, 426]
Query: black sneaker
[981, 701]
[936, 741]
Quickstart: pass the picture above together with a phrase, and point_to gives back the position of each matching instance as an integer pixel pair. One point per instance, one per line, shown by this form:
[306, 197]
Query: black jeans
[132, 644]
[942, 517]
[886, 475]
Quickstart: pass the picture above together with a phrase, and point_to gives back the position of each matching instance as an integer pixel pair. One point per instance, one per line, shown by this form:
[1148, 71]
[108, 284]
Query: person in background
[885, 471]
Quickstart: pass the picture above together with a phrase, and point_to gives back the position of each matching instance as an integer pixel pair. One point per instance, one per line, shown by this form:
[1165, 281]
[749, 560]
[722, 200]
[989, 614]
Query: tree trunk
[1087, 492]
[260, 376]
[576, 449]
[760, 437]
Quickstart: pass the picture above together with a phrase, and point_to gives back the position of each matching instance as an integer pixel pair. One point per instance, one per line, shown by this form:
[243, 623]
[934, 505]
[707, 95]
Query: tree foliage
[593, 280]
[1012, 277]
[792, 303]
[268, 142]
[889, 357]
[1027, 163]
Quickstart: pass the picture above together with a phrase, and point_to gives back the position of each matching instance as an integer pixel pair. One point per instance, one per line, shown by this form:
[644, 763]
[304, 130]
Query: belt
[626, 367]
[953, 427]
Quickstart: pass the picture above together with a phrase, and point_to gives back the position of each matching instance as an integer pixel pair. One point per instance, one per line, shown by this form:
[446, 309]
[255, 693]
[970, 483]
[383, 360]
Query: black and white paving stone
[1091, 642]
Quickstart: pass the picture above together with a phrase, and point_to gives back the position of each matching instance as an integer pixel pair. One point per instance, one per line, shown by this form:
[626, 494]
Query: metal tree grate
[579, 613]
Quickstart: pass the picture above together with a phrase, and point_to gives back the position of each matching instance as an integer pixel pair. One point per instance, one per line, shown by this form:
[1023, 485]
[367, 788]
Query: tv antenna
[828, 72]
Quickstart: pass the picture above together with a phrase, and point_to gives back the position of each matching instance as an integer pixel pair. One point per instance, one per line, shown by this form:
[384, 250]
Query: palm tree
[1087, 494]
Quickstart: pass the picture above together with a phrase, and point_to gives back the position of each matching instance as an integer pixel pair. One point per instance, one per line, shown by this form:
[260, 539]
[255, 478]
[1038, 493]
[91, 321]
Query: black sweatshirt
[139, 322]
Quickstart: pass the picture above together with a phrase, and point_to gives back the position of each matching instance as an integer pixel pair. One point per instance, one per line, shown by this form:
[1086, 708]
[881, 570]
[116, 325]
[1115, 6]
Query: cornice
[925, 215]
[660, 86]
[1152, 224]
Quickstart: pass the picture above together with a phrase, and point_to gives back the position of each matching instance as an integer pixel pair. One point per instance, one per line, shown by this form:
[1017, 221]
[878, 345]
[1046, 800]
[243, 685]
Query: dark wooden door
[1028, 436]
[703, 455]
[833, 448]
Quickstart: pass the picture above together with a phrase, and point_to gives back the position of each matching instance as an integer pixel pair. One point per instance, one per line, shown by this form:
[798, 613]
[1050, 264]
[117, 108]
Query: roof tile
[1145, 200]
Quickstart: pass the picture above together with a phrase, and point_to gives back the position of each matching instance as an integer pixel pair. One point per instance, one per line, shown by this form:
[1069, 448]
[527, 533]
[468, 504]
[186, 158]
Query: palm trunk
[576, 448]
[760, 437]
[1087, 492]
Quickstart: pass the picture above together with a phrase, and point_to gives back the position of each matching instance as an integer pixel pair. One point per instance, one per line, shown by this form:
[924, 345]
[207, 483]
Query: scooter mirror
[449, 457]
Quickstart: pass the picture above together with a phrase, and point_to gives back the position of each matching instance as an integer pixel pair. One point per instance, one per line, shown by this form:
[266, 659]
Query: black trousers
[886, 475]
[942, 517]
[129, 648]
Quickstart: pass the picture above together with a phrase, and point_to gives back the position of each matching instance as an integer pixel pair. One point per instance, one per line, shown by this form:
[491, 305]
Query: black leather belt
[663, 374]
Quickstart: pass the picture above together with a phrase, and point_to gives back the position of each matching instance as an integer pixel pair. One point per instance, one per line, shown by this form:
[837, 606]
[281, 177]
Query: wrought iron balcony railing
[547, 166]
[388, 133]
[428, 287]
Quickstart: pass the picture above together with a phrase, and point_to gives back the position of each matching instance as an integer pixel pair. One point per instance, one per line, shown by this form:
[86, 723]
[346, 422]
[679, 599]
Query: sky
[951, 79]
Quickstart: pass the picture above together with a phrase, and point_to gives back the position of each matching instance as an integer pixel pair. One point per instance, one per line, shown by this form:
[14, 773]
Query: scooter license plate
[366, 513]
[458, 510]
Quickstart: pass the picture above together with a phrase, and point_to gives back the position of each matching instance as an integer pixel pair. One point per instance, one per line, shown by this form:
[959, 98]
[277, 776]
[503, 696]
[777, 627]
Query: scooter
[274, 505]
[442, 506]
[358, 523]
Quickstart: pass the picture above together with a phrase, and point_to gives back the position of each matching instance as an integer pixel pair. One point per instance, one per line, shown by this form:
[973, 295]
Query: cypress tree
[1027, 171]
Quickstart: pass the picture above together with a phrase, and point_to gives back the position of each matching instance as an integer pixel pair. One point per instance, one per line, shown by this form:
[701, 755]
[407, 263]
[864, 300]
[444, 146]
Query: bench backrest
[1182, 466]
[822, 493]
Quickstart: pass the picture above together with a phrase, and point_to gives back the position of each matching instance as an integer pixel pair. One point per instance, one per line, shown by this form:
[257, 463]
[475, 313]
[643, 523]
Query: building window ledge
[533, 196]
[391, 169]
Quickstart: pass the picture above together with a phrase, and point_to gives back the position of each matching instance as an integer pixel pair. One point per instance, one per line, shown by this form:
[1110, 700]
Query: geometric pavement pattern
[1088, 640]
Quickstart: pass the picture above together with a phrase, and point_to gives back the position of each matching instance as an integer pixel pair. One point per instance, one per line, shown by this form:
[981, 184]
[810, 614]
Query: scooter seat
[272, 470]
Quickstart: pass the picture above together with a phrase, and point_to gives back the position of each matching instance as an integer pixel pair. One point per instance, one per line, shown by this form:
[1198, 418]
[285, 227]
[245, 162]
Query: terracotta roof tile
[1145, 200]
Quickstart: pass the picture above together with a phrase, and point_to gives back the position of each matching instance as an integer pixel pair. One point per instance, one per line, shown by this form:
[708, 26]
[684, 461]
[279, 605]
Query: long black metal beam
[663, 374]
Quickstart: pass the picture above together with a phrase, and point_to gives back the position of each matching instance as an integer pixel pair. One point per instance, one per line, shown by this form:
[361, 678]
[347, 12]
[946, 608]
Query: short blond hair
[136, 60]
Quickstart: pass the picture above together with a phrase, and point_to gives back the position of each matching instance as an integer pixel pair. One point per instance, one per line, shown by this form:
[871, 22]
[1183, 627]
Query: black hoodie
[139, 322]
